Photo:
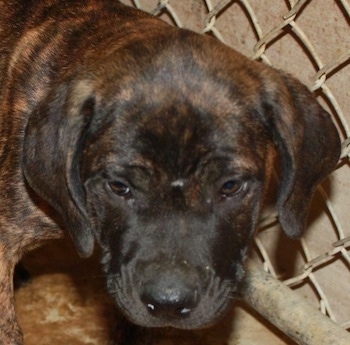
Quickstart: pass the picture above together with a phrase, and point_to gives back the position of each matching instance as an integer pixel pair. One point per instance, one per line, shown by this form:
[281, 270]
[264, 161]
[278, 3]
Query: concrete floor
[66, 303]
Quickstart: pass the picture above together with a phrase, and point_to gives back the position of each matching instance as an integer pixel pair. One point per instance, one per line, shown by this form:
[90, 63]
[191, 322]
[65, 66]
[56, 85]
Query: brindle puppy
[154, 142]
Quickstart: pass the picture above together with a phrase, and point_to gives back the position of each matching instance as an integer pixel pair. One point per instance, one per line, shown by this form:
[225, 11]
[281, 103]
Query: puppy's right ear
[53, 143]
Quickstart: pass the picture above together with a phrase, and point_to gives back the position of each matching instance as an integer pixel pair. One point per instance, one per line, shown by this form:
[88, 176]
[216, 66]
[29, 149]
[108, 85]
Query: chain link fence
[311, 40]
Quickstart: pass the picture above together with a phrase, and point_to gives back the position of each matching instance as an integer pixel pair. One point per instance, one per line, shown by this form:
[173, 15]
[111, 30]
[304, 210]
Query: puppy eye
[120, 188]
[230, 188]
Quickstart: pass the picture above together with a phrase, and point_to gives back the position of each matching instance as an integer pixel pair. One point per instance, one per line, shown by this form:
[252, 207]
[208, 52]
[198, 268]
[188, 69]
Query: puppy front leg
[10, 332]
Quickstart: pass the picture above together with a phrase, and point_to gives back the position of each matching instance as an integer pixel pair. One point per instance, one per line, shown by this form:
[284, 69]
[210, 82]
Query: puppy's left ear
[53, 144]
[308, 143]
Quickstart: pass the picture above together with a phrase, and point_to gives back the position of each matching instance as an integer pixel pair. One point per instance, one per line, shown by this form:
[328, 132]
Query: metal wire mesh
[311, 39]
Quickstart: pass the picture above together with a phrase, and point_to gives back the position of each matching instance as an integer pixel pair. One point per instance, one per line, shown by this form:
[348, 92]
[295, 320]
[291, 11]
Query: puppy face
[165, 164]
[176, 202]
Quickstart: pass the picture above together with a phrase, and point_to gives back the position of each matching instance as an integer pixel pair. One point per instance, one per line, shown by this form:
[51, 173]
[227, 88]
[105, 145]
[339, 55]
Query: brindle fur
[92, 91]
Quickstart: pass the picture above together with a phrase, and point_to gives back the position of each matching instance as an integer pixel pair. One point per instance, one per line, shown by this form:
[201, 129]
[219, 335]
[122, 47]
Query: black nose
[169, 296]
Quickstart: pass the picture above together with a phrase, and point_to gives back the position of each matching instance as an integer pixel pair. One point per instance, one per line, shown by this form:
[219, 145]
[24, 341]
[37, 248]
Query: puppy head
[165, 165]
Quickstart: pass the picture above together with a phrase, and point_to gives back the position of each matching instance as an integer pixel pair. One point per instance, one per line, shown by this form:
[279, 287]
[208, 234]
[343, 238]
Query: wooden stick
[293, 315]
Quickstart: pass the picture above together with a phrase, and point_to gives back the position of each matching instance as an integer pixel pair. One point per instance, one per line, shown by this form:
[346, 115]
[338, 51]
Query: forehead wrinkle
[232, 164]
[134, 162]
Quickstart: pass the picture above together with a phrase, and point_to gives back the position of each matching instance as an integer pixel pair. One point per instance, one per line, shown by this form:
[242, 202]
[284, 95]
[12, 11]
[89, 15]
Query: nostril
[151, 307]
[183, 311]
[176, 301]
[159, 309]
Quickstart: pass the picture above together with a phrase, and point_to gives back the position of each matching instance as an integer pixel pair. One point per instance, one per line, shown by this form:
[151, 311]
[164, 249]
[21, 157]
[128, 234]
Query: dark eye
[230, 188]
[120, 188]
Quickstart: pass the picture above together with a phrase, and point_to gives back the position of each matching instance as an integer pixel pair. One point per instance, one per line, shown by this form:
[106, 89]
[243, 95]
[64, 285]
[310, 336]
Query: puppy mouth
[171, 300]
